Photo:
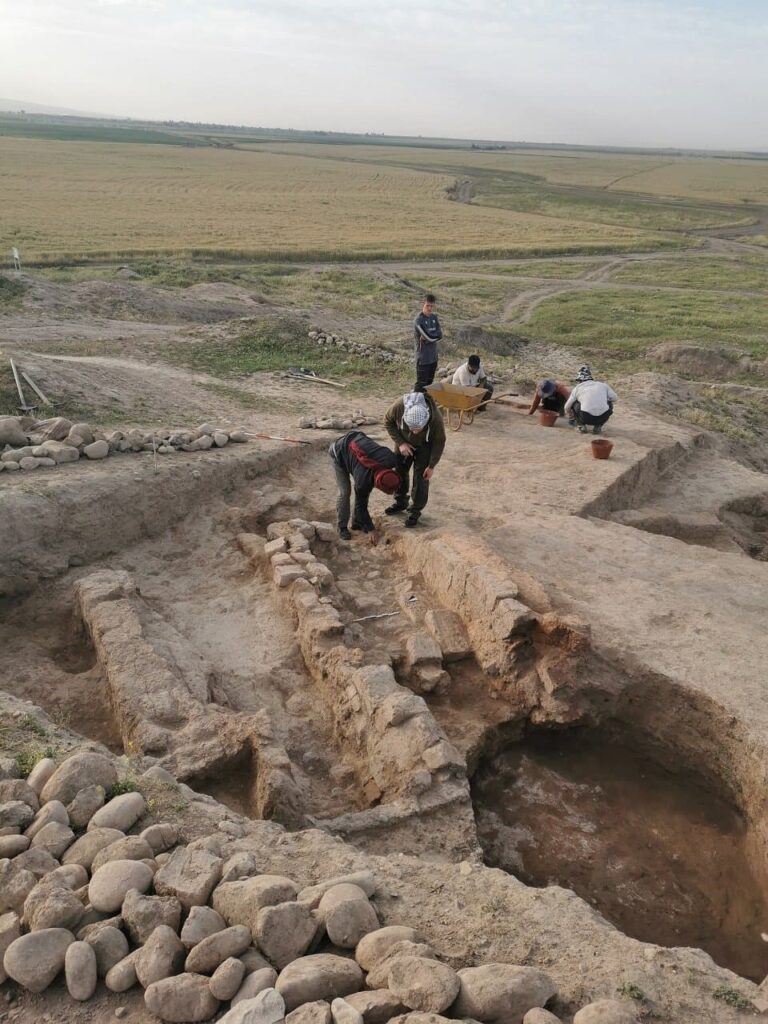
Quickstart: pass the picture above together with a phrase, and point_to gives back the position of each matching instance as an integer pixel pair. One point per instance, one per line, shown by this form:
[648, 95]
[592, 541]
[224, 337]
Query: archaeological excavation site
[508, 768]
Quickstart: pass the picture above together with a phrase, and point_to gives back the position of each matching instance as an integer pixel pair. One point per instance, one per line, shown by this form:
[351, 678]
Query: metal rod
[383, 615]
[273, 437]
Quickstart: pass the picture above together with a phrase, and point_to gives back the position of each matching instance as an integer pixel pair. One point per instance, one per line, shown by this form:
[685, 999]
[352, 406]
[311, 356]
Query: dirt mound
[695, 359]
[203, 303]
[500, 342]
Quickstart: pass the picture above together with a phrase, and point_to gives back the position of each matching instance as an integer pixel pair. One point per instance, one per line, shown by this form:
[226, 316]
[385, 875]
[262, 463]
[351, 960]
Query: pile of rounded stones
[27, 443]
[384, 355]
[81, 891]
[337, 421]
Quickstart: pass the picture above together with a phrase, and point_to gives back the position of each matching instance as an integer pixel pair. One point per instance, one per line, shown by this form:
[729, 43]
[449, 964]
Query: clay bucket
[547, 418]
[601, 448]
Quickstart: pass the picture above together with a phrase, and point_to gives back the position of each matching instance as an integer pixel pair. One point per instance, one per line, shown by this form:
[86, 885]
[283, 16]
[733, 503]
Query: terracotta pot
[547, 418]
[601, 448]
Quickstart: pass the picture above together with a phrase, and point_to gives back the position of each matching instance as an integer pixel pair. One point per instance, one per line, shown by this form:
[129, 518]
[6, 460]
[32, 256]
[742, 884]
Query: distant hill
[14, 106]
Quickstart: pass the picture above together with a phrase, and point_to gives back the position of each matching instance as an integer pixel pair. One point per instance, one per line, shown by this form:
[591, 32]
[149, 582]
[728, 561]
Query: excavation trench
[658, 851]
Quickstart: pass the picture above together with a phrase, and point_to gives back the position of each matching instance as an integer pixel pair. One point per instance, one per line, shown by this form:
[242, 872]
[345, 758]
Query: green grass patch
[281, 344]
[616, 329]
[732, 997]
[700, 272]
[11, 291]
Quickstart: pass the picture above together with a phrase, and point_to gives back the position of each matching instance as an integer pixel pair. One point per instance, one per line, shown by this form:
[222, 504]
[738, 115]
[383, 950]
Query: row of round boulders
[30, 444]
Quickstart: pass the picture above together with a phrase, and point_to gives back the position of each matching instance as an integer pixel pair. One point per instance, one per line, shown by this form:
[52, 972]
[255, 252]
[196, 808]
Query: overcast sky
[611, 72]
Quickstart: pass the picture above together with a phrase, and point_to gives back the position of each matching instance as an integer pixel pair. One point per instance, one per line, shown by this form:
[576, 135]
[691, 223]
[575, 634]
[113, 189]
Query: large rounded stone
[18, 789]
[253, 960]
[538, 1015]
[605, 1011]
[85, 805]
[12, 846]
[376, 1006]
[348, 921]
[15, 814]
[10, 930]
[201, 922]
[312, 894]
[77, 772]
[343, 1012]
[80, 971]
[227, 978]
[161, 837]
[284, 932]
[55, 838]
[52, 906]
[240, 902]
[83, 851]
[122, 976]
[142, 914]
[38, 861]
[15, 886]
[130, 848]
[122, 812]
[11, 432]
[54, 810]
[378, 976]
[255, 982]
[318, 1012]
[110, 883]
[110, 946]
[34, 960]
[267, 1007]
[185, 999]
[190, 876]
[206, 956]
[161, 956]
[501, 992]
[375, 946]
[320, 976]
[40, 774]
[423, 984]
[69, 876]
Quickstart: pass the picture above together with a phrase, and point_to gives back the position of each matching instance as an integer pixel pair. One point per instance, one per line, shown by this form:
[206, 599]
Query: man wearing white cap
[415, 425]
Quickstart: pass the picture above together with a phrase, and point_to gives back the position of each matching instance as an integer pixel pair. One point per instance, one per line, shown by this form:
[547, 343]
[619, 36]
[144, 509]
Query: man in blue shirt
[427, 333]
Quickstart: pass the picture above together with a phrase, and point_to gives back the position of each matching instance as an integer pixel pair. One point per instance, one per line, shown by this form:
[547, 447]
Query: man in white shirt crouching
[472, 375]
[591, 402]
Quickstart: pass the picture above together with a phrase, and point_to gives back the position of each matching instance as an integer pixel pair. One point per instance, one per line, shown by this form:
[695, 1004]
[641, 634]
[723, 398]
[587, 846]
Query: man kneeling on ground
[591, 402]
[472, 375]
[359, 460]
[551, 395]
[415, 425]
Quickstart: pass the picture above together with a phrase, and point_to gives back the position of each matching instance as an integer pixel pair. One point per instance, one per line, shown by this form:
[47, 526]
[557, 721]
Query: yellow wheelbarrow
[457, 403]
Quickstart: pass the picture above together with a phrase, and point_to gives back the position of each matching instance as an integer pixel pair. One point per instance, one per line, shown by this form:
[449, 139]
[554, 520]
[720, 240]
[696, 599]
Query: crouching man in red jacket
[360, 462]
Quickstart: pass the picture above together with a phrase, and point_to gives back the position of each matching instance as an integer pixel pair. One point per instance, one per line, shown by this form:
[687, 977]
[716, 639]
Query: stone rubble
[195, 942]
[337, 421]
[325, 339]
[28, 444]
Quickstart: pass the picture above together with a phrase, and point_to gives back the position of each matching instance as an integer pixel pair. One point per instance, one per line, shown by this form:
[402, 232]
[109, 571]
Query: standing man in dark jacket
[416, 426]
[359, 460]
[427, 333]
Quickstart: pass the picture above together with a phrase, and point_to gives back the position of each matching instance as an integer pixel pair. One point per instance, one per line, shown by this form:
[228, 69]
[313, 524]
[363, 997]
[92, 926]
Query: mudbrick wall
[169, 714]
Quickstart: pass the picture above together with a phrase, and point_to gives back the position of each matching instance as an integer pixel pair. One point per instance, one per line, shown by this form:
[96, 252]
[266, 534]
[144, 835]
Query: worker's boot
[395, 508]
[583, 428]
[344, 533]
[413, 518]
[597, 430]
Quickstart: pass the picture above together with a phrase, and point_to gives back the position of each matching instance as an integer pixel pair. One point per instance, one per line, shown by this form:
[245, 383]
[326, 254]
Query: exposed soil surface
[658, 854]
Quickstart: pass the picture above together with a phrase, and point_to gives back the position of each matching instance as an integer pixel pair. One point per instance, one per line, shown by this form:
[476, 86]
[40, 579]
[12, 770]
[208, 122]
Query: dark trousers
[425, 374]
[488, 394]
[344, 495]
[586, 419]
[420, 486]
[555, 403]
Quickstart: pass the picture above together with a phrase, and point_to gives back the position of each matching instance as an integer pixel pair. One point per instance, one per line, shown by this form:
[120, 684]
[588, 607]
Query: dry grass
[92, 198]
[715, 180]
